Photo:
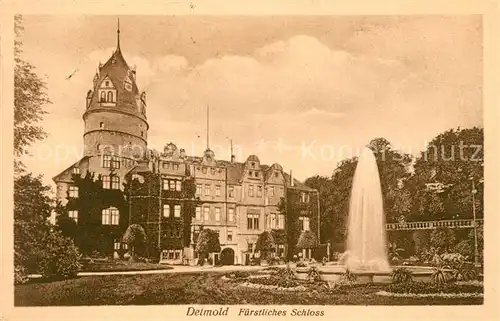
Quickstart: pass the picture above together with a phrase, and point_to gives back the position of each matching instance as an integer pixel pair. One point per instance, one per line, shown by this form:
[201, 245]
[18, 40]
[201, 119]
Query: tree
[449, 162]
[31, 198]
[135, 237]
[67, 226]
[29, 98]
[443, 239]
[265, 244]
[307, 240]
[208, 242]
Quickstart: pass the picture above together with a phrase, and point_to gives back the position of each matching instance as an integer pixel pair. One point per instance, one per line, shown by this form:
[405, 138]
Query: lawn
[196, 288]
[119, 266]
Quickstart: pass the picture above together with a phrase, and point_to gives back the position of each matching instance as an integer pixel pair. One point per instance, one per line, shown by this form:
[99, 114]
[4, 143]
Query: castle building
[173, 196]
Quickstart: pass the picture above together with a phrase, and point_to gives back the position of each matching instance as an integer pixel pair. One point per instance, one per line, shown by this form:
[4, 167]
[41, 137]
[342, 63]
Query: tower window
[110, 97]
[101, 125]
[142, 133]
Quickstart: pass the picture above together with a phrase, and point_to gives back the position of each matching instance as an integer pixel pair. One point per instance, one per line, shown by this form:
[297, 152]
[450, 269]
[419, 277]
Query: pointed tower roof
[122, 77]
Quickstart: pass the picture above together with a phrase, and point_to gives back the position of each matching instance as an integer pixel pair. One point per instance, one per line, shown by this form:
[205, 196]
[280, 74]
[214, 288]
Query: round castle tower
[115, 115]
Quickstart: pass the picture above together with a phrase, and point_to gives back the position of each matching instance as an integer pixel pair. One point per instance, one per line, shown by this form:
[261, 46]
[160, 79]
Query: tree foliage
[29, 98]
[307, 240]
[208, 242]
[31, 198]
[265, 243]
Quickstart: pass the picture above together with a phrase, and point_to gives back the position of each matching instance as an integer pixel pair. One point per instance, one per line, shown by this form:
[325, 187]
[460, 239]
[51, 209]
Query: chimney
[291, 178]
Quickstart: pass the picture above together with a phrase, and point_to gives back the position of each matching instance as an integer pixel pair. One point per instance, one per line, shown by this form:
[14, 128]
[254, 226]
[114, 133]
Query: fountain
[366, 242]
[366, 254]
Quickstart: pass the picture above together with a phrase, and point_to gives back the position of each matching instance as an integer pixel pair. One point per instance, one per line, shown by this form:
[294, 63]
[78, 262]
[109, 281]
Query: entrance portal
[227, 256]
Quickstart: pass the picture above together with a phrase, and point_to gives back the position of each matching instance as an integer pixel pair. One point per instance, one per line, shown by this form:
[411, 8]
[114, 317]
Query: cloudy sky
[305, 91]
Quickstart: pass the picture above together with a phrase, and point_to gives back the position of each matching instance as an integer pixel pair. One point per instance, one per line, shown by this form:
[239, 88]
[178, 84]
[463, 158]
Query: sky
[301, 91]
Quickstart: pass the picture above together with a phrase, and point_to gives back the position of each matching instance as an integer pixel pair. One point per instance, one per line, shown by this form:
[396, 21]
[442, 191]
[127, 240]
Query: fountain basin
[334, 273]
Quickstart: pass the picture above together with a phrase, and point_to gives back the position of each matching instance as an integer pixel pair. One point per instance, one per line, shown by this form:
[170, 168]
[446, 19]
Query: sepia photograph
[275, 163]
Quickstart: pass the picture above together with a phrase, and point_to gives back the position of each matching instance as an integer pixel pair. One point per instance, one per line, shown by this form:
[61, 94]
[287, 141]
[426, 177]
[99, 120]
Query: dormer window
[76, 170]
[253, 165]
[110, 97]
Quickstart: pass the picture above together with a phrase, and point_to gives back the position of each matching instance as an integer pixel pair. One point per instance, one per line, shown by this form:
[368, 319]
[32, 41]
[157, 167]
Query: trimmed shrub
[60, 259]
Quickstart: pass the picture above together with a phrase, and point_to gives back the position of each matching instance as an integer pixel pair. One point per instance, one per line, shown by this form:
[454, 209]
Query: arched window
[110, 97]
[103, 96]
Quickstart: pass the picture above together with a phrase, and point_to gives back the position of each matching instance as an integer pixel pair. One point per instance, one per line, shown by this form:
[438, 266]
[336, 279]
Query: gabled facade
[172, 195]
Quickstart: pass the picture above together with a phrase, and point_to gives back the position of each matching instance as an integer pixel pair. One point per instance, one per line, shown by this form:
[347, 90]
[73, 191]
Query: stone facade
[172, 195]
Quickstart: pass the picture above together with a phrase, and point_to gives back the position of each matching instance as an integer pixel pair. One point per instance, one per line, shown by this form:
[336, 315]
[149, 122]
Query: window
[217, 214]
[171, 184]
[229, 236]
[166, 165]
[206, 211]
[303, 197]
[74, 215]
[253, 221]
[250, 173]
[106, 182]
[281, 250]
[259, 191]
[198, 213]
[107, 83]
[198, 189]
[166, 210]
[165, 184]
[110, 216]
[230, 214]
[73, 191]
[207, 189]
[142, 133]
[304, 222]
[101, 125]
[250, 190]
[178, 185]
[270, 191]
[281, 221]
[103, 96]
[250, 247]
[231, 191]
[256, 174]
[212, 171]
[175, 166]
[217, 190]
[177, 211]
[109, 161]
[253, 164]
[117, 245]
[110, 97]
[276, 174]
[282, 191]
[196, 233]
[272, 223]
[177, 255]
[204, 170]
[76, 170]
[115, 182]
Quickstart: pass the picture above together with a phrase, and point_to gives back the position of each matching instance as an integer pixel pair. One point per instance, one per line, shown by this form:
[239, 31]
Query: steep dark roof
[117, 69]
